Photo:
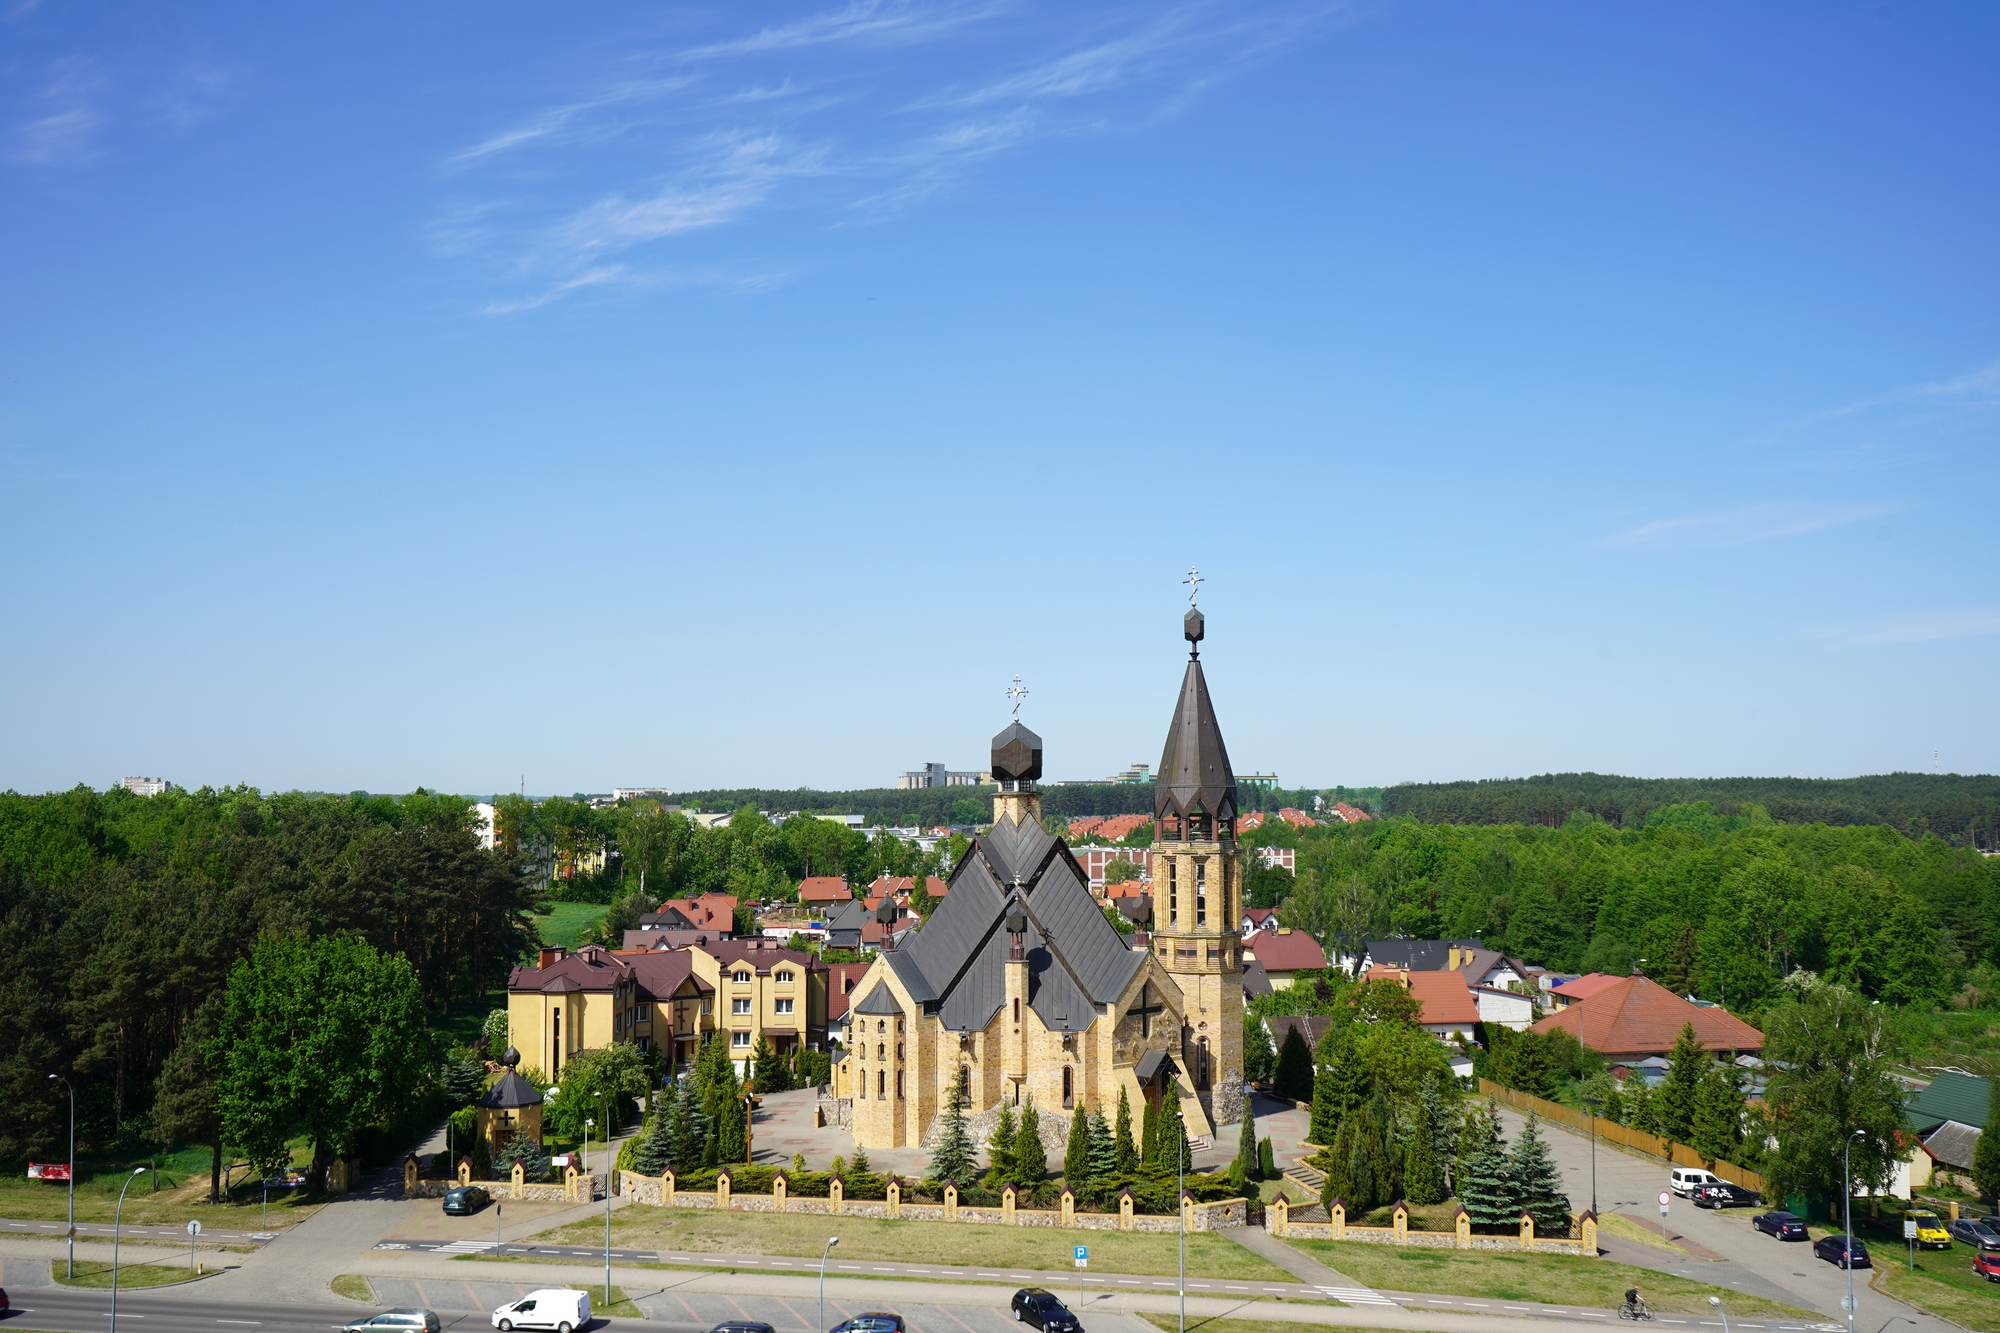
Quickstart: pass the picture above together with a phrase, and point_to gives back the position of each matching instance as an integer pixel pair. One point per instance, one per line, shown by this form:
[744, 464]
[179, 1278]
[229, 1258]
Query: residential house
[1947, 1117]
[1111, 828]
[1504, 1008]
[843, 924]
[1635, 1017]
[1482, 966]
[1352, 814]
[1449, 1013]
[764, 989]
[902, 887]
[1138, 910]
[713, 912]
[1566, 993]
[1278, 858]
[821, 892]
[588, 999]
[1256, 981]
[1096, 863]
[1284, 953]
[1259, 918]
[655, 938]
[1311, 1026]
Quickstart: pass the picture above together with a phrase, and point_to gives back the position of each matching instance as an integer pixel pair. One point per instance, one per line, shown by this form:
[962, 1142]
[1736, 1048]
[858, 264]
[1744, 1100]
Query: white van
[1685, 1180]
[559, 1308]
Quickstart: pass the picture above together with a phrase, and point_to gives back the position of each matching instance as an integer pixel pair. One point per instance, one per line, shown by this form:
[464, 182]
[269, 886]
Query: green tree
[687, 1133]
[1246, 1142]
[618, 1072]
[1986, 1153]
[1682, 972]
[1423, 1172]
[952, 1159]
[184, 1106]
[1121, 1134]
[528, 1152]
[1716, 1130]
[1687, 1062]
[1832, 1058]
[1521, 1061]
[1337, 1159]
[1486, 1182]
[768, 1072]
[1293, 1075]
[1267, 1162]
[1076, 1155]
[1031, 1159]
[325, 1035]
[1641, 1106]
[1538, 1182]
[461, 1077]
[1259, 1060]
[1364, 1189]
[1343, 1082]
[655, 1152]
[1170, 1141]
[1000, 1147]
[1105, 1159]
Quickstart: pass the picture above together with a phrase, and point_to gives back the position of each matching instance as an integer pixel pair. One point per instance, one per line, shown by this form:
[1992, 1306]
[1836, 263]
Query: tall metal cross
[1194, 580]
[1017, 692]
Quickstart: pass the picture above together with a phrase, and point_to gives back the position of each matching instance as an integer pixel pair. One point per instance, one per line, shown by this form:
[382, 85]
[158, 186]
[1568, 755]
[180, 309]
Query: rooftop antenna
[1017, 692]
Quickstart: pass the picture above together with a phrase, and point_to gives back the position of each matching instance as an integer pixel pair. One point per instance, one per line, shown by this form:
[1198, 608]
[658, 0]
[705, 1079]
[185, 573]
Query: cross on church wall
[1146, 1009]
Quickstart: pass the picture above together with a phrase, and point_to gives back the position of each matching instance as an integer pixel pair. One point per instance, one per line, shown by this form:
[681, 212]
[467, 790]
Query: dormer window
[741, 978]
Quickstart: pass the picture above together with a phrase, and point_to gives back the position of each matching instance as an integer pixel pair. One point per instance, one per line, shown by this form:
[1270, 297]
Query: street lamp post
[831, 1241]
[1180, 1207]
[58, 1078]
[1847, 1223]
[1716, 1301]
[117, 1221]
[607, 1198]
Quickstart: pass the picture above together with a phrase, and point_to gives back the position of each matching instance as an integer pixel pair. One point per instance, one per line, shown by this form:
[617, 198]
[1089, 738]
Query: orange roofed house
[822, 891]
[1449, 1012]
[1636, 1017]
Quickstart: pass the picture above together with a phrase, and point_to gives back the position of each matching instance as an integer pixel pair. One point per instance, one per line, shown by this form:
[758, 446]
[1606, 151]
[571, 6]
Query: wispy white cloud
[740, 171]
[1749, 524]
[575, 122]
[1926, 626]
[863, 21]
[68, 111]
[596, 277]
[1980, 388]
[194, 92]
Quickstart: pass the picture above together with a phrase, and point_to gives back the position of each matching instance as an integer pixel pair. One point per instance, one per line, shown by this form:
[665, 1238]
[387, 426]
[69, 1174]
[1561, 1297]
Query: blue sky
[700, 395]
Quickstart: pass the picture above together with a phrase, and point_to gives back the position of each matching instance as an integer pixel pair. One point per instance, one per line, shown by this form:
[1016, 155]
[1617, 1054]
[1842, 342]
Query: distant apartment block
[1097, 861]
[936, 775]
[482, 824]
[1262, 781]
[145, 786]
[1138, 773]
[659, 794]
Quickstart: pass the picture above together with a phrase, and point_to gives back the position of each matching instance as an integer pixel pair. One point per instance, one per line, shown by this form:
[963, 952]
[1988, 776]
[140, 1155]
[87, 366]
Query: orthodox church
[1018, 978]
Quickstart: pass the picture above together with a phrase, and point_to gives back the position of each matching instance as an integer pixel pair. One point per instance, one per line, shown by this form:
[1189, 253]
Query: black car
[1722, 1194]
[1785, 1226]
[873, 1321]
[1978, 1235]
[466, 1199]
[1039, 1306]
[1842, 1252]
[3, 1301]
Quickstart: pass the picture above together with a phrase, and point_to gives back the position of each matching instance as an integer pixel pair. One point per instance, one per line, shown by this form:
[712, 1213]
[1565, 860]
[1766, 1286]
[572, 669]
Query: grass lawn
[1551, 1279]
[354, 1287]
[565, 925]
[1943, 1284]
[95, 1274]
[702, 1231]
[1626, 1229]
[183, 1194]
[1171, 1324]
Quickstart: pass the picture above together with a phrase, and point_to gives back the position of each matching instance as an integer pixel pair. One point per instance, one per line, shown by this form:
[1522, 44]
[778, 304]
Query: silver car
[1976, 1234]
[397, 1321]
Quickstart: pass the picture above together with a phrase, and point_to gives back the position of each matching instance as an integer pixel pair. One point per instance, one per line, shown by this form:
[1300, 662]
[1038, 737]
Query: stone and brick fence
[575, 1186]
[662, 1191]
[1278, 1221]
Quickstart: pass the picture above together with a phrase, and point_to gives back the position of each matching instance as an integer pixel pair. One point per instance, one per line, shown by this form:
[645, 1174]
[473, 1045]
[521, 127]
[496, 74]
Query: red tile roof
[823, 889]
[1637, 1016]
[1286, 951]
[1352, 814]
[840, 982]
[1443, 994]
[711, 911]
[899, 885]
[1297, 818]
[1582, 988]
[1253, 820]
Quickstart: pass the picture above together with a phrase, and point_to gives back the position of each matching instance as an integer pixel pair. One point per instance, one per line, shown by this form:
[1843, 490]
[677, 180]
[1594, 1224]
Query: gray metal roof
[880, 1000]
[1255, 981]
[1952, 1143]
[1150, 1064]
[511, 1090]
[1194, 774]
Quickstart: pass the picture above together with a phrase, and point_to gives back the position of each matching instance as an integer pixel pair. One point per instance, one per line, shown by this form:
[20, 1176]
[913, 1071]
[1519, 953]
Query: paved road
[539, 1251]
[130, 1232]
[1745, 1259]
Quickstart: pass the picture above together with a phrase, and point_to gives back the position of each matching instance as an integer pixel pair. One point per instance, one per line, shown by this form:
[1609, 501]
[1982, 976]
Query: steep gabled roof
[879, 1000]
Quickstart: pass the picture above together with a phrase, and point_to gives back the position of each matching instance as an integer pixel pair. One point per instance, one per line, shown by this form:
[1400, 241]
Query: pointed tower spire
[1194, 792]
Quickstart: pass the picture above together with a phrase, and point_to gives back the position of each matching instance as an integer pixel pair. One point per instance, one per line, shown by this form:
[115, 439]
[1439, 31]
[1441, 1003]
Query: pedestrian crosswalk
[1359, 1296]
[467, 1247]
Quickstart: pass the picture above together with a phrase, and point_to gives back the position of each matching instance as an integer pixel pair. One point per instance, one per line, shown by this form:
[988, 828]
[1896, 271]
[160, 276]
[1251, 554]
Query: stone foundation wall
[1431, 1240]
[837, 1112]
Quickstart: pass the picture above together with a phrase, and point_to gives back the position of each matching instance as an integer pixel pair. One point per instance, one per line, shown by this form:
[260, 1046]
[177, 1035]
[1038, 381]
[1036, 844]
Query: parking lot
[692, 1311]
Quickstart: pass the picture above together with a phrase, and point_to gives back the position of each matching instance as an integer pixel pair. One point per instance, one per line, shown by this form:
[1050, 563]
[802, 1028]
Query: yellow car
[1931, 1234]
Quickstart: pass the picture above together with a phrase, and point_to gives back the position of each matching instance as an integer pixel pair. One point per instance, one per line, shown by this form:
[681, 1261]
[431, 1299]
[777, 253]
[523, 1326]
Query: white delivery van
[560, 1308]
[1685, 1180]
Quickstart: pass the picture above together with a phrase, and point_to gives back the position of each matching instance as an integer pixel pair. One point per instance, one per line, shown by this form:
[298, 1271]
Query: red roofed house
[1297, 818]
[1581, 988]
[711, 911]
[1245, 823]
[823, 891]
[1118, 827]
[1352, 814]
[901, 887]
[1636, 1017]
[1260, 918]
[1449, 1011]
[1096, 863]
[1284, 953]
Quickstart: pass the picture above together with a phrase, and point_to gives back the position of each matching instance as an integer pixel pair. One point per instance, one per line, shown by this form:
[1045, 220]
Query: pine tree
[1361, 1170]
[528, 1152]
[1076, 1156]
[1641, 1105]
[1686, 1065]
[1267, 1162]
[1486, 1184]
[1613, 1108]
[1170, 1130]
[1717, 1128]
[1149, 1133]
[655, 1152]
[1385, 1163]
[1106, 1158]
[1439, 1103]
[1339, 1157]
[1538, 1183]
[1342, 1084]
[1121, 1131]
[731, 1142]
[1423, 1172]
[1293, 1076]
[1479, 1129]
[1246, 1142]
[1682, 972]
[952, 1158]
[1986, 1153]
[1000, 1148]
[1031, 1159]
[689, 1131]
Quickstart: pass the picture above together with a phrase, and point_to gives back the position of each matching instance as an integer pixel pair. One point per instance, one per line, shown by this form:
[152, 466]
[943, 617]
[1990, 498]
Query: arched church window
[1201, 892]
[1173, 891]
[1017, 1008]
[1068, 1093]
[880, 1050]
[881, 1085]
[1201, 1064]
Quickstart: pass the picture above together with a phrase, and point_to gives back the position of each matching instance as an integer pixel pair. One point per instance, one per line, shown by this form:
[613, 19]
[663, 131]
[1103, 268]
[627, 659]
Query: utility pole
[58, 1078]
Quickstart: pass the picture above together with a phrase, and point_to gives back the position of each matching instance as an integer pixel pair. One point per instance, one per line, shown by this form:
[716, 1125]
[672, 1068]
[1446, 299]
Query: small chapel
[1018, 978]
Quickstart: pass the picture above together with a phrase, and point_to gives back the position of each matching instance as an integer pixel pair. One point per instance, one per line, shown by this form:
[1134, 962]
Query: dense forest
[122, 917]
[1964, 811]
[1722, 905]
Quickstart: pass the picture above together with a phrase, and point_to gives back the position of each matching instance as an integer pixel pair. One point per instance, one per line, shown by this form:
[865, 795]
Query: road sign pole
[1082, 1262]
[1664, 1196]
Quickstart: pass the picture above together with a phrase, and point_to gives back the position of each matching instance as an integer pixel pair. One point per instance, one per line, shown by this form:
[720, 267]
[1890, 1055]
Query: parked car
[561, 1308]
[1991, 1221]
[426, 1320]
[1976, 1234]
[872, 1321]
[1685, 1180]
[1842, 1251]
[743, 1326]
[1783, 1225]
[1722, 1194]
[466, 1199]
[1931, 1234]
[3, 1301]
[1038, 1306]
[1987, 1266]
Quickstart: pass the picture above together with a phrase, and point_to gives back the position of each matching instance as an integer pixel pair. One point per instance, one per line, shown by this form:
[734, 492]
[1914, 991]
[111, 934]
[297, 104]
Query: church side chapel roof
[880, 1000]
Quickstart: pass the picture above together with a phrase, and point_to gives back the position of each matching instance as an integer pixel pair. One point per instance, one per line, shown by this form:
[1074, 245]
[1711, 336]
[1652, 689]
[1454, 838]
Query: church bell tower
[1198, 890]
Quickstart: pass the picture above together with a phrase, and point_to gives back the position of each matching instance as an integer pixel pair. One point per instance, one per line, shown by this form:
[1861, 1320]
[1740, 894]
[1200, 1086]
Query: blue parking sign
[1083, 1256]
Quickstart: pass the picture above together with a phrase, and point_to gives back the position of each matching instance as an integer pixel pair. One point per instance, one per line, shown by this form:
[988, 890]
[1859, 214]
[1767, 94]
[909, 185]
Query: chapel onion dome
[1016, 757]
[1194, 794]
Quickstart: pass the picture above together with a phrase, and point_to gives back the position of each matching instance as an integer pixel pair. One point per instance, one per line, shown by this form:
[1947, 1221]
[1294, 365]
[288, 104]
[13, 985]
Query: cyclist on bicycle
[1632, 1297]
